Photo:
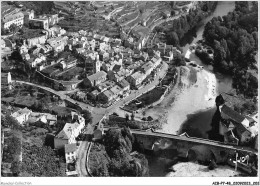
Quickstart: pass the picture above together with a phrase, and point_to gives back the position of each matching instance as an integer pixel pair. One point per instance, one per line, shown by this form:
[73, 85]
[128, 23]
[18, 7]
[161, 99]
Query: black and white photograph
[98, 90]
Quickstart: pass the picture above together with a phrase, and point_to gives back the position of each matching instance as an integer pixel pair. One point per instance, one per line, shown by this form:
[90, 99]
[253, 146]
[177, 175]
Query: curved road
[99, 112]
[81, 159]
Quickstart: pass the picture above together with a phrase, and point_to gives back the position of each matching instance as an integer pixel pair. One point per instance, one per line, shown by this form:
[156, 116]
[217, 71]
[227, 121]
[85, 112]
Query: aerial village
[92, 70]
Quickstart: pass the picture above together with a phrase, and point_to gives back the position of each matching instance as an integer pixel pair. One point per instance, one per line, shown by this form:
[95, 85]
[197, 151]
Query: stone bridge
[188, 147]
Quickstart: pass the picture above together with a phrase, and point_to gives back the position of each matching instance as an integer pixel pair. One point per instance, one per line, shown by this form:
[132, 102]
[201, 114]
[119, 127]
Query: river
[198, 124]
[223, 7]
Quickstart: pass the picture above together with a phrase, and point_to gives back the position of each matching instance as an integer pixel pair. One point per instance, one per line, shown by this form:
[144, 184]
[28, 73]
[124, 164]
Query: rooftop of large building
[12, 17]
[147, 66]
[137, 75]
[233, 115]
[116, 89]
[67, 130]
[97, 76]
[123, 83]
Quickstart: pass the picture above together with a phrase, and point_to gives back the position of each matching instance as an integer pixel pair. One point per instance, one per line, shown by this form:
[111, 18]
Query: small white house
[22, 115]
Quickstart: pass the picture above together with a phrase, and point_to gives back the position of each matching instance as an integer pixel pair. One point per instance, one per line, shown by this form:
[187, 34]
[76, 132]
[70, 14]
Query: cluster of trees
[10, 122]
[87, 116]
[40, 7]
[11, 152]
[246, 108]
[234, 40]
[115, 159]
[40, 161]
[13, 28]
[184, 24]
[178, 59]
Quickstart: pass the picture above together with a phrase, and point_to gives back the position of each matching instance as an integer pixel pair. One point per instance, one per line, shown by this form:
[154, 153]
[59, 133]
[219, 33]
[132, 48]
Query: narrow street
[81, 161]
[99, 112]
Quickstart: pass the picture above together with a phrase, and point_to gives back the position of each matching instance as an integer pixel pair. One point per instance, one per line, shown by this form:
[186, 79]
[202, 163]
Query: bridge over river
[185, 146]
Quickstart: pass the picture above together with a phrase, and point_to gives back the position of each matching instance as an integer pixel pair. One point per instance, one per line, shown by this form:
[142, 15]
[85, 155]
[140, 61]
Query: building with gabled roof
[147, 68]
[22, 115]
[94, 94]
[240, 125]
[69, 133]
[106, 96]
[95, 79]
[124, 84]
[16, 18]
[58, 43]
[117, 90]
[136, 79]
[228, 113]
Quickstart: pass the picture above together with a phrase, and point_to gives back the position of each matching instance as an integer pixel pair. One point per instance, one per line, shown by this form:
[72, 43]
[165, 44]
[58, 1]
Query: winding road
[81, 159]
[99, 112]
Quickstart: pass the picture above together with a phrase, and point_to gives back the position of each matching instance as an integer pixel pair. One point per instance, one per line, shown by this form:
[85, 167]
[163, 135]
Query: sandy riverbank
[187, 99]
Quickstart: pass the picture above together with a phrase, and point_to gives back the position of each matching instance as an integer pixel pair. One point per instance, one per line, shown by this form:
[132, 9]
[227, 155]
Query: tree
[118, 145]
[234, 42]
[127, 117]
[16, 56]
[172, 13]
[87, 116]
[179, 60]
[173, 37]
[16, 167]
[13, 28]
[132, 116]
[38, 105]
[219, 100]
[40, 161]
[11, 122]
[3, 31]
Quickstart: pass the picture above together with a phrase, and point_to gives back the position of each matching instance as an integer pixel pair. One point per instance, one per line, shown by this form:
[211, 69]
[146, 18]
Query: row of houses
[26, 115]
[65, 139]
[118, 75]
[110, 86]
[105, 90]
[138, 77]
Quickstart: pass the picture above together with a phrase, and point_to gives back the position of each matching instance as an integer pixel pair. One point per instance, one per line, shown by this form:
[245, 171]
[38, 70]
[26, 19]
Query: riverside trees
[234, 40]
[113, 157]
[179, 27]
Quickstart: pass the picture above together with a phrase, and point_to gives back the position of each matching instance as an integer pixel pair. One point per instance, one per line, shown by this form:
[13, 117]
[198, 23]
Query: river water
[223, 7]
[198, 124]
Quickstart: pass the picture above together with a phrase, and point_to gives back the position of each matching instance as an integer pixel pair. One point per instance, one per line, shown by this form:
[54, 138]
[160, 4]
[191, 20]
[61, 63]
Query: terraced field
[103, 16]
